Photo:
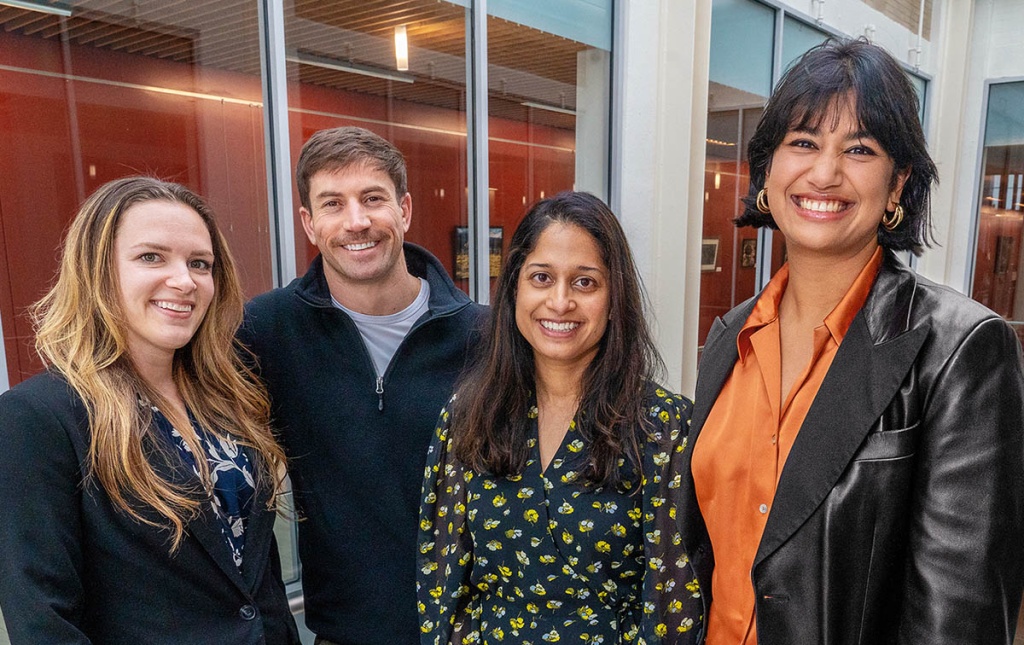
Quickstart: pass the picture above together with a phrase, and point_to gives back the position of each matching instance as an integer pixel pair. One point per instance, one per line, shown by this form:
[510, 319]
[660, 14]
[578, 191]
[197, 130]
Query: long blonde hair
[81, 333]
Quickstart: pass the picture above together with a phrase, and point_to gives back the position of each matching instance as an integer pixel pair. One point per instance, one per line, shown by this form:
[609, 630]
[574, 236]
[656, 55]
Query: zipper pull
[380, 393]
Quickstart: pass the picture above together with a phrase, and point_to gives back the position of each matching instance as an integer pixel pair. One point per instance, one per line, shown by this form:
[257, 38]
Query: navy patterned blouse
[231, 472]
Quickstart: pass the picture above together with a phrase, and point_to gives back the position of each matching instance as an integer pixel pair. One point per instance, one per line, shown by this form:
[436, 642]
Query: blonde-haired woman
[139, 470]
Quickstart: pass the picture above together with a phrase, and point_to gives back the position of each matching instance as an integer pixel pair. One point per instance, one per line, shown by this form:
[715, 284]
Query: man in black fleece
[359, 356]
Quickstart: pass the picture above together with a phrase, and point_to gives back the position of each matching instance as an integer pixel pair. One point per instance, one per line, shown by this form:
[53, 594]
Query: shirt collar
[838, 321]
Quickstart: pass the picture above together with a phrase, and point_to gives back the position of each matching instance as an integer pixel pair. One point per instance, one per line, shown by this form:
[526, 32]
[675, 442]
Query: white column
[953, 140]
[660, 139]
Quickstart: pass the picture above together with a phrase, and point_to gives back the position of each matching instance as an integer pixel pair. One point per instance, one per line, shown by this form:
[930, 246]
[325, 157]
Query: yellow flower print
[428, 567]
[603, 547]
[575, 445]
[490, 524]
[675, 606]
[535, 542]
[551, 637]
[436, 592]
[657, 501]
[427, 626]
[565, 508]
[504, 571]
[664, 416]
[532, 412]
[654, 537]
[567, 537]
[586, 526]
[494, 545]
[525, 493]
[618, 530]
[554, 604]
[425, 524]
[685, 625]
[546, 559]
[513, 533]
[514, 477]
[498, 634]
[660, 393]
[538, 589]
[523, 558]
[661, 459]
[517, 623]
[660, 630]
[693, 587]
[531, 516]
[499, 500]
[532, 608]
[634, 514]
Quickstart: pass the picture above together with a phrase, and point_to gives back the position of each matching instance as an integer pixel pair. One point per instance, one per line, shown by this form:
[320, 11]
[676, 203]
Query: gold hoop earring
[762, 202]
[890, 222]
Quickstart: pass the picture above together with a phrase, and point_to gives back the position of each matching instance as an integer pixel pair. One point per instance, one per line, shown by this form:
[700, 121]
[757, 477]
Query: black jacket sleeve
[41, 563]
[964, 572]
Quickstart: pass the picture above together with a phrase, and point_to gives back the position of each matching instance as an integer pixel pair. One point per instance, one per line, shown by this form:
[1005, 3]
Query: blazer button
[247, 612]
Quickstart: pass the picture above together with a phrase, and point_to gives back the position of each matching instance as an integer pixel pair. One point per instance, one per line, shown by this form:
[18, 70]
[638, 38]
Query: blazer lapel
[874, 358]
[259, 532]
[716, 362]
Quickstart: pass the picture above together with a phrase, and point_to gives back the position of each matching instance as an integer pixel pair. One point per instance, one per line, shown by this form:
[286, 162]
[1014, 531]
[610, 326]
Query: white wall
[660, 131]
[991, 49]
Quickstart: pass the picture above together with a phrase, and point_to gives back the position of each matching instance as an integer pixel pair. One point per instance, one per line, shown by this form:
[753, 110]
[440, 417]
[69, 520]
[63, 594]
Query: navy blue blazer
[75, 569]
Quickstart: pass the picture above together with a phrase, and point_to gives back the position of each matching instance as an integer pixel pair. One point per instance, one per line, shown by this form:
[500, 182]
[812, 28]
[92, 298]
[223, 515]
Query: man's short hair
[339, 148]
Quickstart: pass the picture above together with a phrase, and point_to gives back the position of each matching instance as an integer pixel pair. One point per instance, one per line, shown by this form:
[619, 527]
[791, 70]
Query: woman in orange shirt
[857, 471]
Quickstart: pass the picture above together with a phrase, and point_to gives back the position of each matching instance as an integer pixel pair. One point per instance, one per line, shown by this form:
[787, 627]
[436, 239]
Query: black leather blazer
[74, 569]
[899, 514]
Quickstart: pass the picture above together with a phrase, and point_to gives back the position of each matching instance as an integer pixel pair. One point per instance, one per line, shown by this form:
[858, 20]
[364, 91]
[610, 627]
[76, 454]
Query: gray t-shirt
[383, 334]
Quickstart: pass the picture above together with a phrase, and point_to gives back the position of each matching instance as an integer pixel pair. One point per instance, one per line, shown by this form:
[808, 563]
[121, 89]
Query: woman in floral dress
[548, 512]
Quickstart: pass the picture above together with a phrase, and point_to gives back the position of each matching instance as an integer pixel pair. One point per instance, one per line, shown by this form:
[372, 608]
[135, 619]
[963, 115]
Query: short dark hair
[886, 107]
[490, 427]
[338, 148]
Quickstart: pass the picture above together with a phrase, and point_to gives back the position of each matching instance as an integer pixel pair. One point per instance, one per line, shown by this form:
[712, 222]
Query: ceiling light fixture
[345, 66]
[549, 108]
[54, 8]
[401, 49]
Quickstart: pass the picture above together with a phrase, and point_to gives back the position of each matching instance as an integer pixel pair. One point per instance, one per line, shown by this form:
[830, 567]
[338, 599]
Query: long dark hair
[490, 424]
[885, 105]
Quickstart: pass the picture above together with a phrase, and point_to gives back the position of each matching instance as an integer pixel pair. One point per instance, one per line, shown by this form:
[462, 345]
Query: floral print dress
[538, 558]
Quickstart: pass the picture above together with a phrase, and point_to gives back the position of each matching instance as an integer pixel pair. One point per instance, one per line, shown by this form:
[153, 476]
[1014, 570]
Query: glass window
[170, 89]
[343, 69]
[549, 75]
[742, 41]
[999, 253]
[797, 38]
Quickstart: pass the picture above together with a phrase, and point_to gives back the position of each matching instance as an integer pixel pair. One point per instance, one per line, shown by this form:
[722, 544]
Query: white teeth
[360, 247]
[559, 326]
[822, 206]
[173, 306]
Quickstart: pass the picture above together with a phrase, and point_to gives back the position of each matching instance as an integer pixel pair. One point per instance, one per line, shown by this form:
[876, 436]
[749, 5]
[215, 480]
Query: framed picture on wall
[462, 251]
[748, 252]
[709, 254]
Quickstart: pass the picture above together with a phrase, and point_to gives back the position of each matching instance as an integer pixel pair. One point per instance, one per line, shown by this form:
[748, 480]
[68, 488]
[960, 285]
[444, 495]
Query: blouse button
[763, 508]
[247, 612]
